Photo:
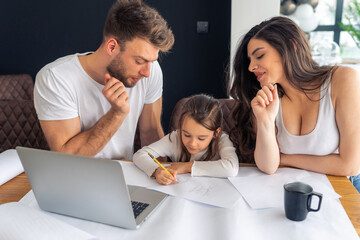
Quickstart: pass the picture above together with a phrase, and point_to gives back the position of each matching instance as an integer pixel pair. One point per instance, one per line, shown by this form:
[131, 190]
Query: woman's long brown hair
[300, 70]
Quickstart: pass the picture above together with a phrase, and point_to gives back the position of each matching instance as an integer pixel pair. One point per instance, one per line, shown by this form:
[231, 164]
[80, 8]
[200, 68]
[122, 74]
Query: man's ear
[111, 46]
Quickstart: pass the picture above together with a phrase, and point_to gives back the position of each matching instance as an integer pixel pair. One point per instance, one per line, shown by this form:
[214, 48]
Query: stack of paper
[266, 191]
[10, 165]
[206, 190]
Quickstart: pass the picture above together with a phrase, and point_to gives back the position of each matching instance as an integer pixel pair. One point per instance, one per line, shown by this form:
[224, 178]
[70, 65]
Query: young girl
[198, 145]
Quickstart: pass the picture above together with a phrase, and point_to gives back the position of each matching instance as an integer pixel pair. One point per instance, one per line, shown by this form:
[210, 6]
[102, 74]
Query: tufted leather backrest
[226, 106]
[19, 125]
[16, 86]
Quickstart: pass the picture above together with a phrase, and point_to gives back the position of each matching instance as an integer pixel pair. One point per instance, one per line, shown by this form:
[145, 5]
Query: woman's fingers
[265, 95]
[258, 100]
[275, 92]
[262, 94]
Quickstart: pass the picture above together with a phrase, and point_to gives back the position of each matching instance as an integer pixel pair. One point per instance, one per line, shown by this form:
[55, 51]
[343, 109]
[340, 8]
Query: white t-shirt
[224, 164]
[63, 90]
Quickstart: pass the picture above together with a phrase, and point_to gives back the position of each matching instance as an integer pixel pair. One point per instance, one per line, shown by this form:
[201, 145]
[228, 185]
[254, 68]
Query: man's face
[132, 64]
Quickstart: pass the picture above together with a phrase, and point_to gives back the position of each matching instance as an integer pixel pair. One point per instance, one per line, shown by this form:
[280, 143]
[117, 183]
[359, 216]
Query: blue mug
[297, 200]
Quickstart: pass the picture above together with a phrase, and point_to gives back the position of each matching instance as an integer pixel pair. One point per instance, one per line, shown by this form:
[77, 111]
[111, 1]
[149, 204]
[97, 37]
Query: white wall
[247, 13]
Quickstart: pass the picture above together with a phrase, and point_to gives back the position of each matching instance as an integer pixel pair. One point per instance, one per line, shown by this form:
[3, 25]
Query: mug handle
[319, 195]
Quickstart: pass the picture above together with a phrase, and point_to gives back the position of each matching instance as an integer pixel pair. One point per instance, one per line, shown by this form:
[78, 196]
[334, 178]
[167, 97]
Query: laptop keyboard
[138, 207]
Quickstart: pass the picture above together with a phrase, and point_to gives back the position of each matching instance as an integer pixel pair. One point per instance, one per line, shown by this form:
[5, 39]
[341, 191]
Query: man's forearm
[93, 140]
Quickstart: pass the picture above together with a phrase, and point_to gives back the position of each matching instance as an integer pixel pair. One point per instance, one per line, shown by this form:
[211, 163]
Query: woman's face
[265, 62]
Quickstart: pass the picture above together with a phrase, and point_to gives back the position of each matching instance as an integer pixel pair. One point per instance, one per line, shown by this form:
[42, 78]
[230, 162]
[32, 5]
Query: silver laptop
[87, 188]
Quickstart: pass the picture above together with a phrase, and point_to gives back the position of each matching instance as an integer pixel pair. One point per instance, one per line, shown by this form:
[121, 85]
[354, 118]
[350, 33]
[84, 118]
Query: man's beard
[116, 69]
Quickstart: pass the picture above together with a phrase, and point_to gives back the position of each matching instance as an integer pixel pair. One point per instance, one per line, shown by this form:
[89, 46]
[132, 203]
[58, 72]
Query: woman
[290, 110]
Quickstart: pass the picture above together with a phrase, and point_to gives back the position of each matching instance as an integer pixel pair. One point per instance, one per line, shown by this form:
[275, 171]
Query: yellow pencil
[153, 158]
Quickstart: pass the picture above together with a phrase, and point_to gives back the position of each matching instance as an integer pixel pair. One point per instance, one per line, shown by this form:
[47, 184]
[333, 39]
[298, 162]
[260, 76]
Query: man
[90, 104]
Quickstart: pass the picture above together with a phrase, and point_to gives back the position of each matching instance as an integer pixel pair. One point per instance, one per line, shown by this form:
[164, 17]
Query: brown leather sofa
[19, 125]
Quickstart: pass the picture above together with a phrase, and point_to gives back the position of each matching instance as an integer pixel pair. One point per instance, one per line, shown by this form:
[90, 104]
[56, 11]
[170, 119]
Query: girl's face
[195, 136]
[265, 62]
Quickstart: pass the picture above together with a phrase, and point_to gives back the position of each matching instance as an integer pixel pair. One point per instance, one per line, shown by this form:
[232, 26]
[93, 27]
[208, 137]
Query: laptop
[88, 188]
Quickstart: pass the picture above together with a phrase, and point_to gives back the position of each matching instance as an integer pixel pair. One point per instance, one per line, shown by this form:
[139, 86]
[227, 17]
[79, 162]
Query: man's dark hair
[128, 19]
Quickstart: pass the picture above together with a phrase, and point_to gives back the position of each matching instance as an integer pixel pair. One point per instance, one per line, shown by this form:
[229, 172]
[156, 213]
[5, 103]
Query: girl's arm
[161, 148]
[226, 166]
[345, 95]
[265, 107]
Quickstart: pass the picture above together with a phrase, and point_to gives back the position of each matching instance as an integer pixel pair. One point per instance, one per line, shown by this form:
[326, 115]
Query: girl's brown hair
[300, 70]
[206, 111]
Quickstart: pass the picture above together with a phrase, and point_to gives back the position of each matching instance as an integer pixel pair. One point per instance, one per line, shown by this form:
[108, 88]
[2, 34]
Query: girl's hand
[265, 104]
[181, 167]
[163, 177]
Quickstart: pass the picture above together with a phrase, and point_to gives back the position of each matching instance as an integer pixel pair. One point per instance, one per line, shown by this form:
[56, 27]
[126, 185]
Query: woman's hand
[163, 177]
[265, 107]
[265, 104]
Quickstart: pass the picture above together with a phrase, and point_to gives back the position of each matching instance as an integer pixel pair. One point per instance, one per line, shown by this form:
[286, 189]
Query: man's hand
[88, 143]
[116, 94]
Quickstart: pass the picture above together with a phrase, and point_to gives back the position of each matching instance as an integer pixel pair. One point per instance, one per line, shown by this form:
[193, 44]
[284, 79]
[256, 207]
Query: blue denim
[355, 180]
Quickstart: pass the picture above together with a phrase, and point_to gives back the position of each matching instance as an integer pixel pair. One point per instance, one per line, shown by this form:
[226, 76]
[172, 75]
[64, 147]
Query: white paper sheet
[10, 165]
[18, 221]
[200, 189]
[203, 189]
[134, 176]
[179, 219]
[261, 190]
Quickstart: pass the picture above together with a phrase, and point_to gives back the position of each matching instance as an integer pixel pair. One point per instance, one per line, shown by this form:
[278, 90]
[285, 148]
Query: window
[329, 13]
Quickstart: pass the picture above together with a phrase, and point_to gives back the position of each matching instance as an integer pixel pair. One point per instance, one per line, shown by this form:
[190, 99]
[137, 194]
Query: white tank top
[323, 140]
